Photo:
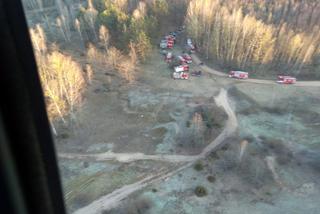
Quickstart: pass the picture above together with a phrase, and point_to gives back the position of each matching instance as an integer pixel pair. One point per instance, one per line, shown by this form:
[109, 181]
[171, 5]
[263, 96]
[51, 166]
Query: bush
[211, 119]
[278, 147]
[198, 166]
[225, 147]
[249, 138]
[200, 191]
[139, 206]
[81, 199]
[85, 164]
[274, 110]
[211, 178]
[64, 135]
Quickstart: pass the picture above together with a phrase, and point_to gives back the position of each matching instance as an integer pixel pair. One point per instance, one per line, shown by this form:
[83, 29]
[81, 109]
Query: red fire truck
[239, 74]
[180, 75]
[181, 60]
[286, 79]
[181, 72]
[181, 68]
[187, 58]
[170, 38]
[167, 42]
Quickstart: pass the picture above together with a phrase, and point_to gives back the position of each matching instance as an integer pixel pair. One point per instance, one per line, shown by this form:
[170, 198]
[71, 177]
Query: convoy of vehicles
[181, 71]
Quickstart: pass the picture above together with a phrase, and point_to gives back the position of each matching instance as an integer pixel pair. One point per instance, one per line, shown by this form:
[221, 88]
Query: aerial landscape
[182, 106]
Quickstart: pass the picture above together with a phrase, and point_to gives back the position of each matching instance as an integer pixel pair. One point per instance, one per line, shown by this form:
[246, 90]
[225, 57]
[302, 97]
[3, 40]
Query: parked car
[196, 73]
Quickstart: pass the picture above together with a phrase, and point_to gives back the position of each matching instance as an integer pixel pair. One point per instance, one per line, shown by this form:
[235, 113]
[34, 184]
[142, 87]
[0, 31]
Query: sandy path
[127, 157]
[113, 199]
[207, 69]
[231, 124]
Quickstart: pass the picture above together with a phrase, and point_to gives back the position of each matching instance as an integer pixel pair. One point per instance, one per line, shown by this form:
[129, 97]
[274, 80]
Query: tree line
[257, 35]
[116, 34]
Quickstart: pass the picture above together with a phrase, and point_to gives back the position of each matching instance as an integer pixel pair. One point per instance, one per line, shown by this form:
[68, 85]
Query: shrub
[200, 191]
[138, 207]
[225, 147]
[249, 138]
[81, 199]
[64, 135]
[274, 110]
[211, 119]
[85, 164]
[211, 178]
[278, 147]
[198, 166]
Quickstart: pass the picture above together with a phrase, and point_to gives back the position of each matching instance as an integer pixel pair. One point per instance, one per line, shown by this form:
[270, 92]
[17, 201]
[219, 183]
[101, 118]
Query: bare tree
[38, 39]
[114, 57]
[90, 16]
[60, 21]
[243, 146]
[94, 55]
[77, 26]
[89, 72]
[104, 36]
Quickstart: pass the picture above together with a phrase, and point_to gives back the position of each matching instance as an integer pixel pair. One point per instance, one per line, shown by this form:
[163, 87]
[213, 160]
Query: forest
[117, 34]
[262, 36]
[259, 36]
[148, 115]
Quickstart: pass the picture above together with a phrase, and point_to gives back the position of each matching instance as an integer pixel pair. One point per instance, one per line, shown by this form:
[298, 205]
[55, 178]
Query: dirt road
[114, 199]
[207, 69]
[231, 125]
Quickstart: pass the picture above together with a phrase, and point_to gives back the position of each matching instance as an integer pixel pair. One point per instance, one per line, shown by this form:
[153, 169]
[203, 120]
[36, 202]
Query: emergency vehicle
[239, 74]
[286, 79]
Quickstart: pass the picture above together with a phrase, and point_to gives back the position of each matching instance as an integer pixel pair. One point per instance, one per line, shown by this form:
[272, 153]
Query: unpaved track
[207, 69]
[114, 199]
[231, 124]
[127, 157]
